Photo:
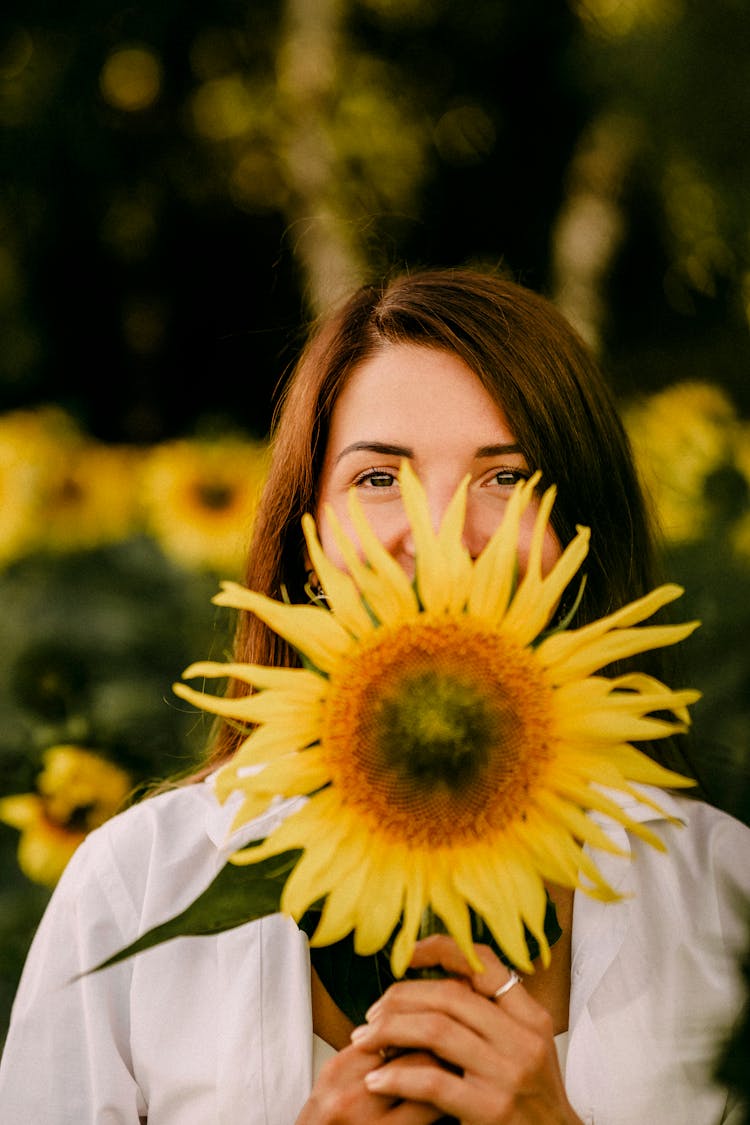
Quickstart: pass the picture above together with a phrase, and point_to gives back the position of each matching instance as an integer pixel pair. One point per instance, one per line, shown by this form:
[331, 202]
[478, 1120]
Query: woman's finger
[440, 950]
[496, 982]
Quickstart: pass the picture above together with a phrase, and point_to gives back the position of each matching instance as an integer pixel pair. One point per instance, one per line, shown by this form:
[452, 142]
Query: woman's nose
[474, 537]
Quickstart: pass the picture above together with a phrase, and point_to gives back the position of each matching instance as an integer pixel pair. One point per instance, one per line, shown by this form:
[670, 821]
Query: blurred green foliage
[92, 642]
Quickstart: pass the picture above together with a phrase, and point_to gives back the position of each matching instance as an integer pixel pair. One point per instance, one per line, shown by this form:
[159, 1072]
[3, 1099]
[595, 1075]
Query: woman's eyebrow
[497, 450]
[376, 447]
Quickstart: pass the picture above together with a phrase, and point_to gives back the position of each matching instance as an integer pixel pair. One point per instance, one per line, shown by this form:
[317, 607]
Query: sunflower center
[433, 728]
[436, 729]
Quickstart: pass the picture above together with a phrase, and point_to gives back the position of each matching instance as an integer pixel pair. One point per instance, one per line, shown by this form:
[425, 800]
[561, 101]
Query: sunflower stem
[431, 923]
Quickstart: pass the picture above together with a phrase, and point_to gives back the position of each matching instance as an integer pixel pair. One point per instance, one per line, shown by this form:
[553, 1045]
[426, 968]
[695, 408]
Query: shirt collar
[220, 816]
[669, 806]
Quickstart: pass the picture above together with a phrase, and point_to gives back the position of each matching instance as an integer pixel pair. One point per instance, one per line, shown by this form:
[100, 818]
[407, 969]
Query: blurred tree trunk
[592, 221]
[325, 242]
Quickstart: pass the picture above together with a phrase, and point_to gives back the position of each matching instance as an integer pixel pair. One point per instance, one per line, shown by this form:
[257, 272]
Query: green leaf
[245, 893]
[237, 895]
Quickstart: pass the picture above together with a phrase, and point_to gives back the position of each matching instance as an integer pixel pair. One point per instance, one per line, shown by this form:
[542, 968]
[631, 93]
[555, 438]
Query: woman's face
[415, 402]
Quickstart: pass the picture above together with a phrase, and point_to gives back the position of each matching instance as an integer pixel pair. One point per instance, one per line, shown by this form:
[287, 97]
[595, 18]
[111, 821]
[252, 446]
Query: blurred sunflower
[29, 440]
[87, 498]
[77, 791]
[200, 499]
[740, 534]
[683, 439]
[449, 747]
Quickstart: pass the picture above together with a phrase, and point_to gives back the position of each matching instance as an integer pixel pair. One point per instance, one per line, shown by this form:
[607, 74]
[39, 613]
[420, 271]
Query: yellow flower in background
[681, 436]
[740, 533]
[29, 440]
[200, 499]
[87, 498]
[77, 791]
[61, 491]
[449, 749]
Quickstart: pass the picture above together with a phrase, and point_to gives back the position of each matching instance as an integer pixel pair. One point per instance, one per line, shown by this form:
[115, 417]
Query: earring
[313, 588]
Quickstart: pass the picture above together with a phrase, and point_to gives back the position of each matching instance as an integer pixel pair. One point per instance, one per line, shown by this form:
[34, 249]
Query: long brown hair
[557, 404]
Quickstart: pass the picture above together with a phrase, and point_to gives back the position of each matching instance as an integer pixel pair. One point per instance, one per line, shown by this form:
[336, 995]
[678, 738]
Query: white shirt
[218, 1030]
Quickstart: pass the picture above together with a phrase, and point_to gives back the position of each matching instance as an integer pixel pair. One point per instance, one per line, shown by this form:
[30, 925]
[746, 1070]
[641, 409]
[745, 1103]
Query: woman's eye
[507, 478]
[376, 478]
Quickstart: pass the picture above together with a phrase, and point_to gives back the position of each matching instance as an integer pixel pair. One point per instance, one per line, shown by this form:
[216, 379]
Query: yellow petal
[310, 629]
[259, 676]
[603, 651]
[556, 856]
[415, 902]
[481, 878]
[339, 914]
[532, 896]
[451, 906]
[609, 725]
[266, 743]
[378, 914]
[312, 875]
[282, 778]
[495, 568]
[591, 798]
[21, 810]
[560, 576]
[343, 596]
[526, 597]
[443, 565]
[576, 821]
[634, 693]
[383, 565]
[293, 832]
[345, 884]
[384, 600]
[251, 807]
[675, 701]
[560, 646]
[262, 707]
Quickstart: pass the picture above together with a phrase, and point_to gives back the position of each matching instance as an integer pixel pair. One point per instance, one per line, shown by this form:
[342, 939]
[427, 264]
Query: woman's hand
[501, 1060]
[340, 1096]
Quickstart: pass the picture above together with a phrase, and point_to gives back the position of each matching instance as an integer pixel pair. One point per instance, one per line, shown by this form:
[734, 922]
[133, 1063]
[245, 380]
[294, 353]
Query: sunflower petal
[451, 907]
[266, 743]
[284, 778]
[602, 651]
[523, 620]
[675, 701]
[495, 568]
[383, 564]
[443, 565]
[380, 911]
[260, 676]
[481, 878]
[341, 590]
[387, 602]
[310, 629]
[414, 905]
[561, 646]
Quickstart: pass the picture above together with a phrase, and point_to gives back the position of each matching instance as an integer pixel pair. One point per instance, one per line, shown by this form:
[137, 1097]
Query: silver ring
[512, 980]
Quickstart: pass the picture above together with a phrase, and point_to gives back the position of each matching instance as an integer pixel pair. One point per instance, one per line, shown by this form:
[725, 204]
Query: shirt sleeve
[67, 1057]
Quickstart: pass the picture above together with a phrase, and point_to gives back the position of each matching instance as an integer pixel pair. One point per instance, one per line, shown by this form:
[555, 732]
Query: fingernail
[360, 1033]
[373, 1011]
[374, 1079]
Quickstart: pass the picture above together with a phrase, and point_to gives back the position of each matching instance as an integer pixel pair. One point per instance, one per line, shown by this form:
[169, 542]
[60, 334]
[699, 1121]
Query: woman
[460, 373]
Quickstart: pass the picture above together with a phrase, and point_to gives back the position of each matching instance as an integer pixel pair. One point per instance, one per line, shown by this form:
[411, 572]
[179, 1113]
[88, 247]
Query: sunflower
[684, 440]
[77, 791]
[200, 496]
[450, 743]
